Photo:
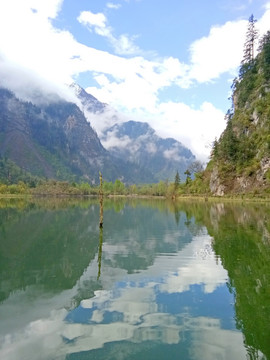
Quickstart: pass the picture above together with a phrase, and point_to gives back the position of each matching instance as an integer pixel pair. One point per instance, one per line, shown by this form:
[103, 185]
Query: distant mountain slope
[56, 141]
[134, 141]
[138, 143]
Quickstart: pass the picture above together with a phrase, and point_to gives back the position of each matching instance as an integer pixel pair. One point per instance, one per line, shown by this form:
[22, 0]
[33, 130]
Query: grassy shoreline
[182, 197]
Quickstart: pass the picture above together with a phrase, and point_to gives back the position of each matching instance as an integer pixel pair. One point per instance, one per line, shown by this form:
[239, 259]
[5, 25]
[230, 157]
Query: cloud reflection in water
[181, 299]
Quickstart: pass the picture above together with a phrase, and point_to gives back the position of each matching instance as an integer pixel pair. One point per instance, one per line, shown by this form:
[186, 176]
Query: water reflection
[245, 252]
[41, 246]
[161, 290]
[100, 250]
[162, 305]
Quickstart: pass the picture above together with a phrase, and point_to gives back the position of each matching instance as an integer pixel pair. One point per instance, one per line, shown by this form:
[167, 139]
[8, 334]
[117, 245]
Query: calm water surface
[160, 281]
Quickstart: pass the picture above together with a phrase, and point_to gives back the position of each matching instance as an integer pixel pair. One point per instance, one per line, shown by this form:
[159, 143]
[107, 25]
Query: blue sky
[170, 63]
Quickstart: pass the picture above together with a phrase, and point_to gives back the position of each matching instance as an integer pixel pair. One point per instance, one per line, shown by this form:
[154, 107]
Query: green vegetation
[244, 250]
[55, 187]
[10, 173]
[240, 158]
[15, 182]
[198, 187]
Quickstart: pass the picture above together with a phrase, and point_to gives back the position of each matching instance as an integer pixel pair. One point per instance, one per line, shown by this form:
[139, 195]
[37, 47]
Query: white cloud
[112, 140]
[34, 45]
[151, 148]
[104, 120]
[29, 85]
[137, 81]
[263, 23]
[123, 45]
[220, 52]
[97, 21]
[113, 6]
[172, 154]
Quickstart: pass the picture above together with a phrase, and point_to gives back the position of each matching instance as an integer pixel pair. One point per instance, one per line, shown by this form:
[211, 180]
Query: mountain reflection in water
[161, 280]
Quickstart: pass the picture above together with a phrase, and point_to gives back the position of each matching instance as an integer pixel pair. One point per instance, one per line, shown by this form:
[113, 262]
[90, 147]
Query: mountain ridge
[136, 141]
[55, 140]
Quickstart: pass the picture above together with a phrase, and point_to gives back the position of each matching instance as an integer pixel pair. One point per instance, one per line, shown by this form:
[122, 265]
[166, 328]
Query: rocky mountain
[56, 141]
[241, 157]
[88, 101]
[139, 144]
[135, 142]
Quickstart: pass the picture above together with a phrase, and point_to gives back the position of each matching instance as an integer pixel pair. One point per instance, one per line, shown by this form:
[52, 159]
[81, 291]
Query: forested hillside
[240, 161]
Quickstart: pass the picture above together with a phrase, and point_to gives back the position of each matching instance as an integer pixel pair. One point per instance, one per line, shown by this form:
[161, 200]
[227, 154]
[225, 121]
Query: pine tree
[214, 151]
[251, 37]
[176, 181]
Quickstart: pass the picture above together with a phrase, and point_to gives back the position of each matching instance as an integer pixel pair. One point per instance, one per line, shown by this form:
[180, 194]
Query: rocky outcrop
[216, 187]
[264, 168]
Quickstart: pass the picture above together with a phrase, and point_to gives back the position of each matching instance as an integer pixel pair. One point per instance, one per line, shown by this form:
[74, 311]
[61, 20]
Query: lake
[161, 280]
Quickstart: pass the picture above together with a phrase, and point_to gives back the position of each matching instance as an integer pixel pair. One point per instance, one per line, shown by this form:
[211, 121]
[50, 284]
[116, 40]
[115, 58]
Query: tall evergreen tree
[176, 181]
[251, 37]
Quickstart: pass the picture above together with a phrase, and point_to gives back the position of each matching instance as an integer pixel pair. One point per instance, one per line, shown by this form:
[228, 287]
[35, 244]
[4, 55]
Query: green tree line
[55, 187]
